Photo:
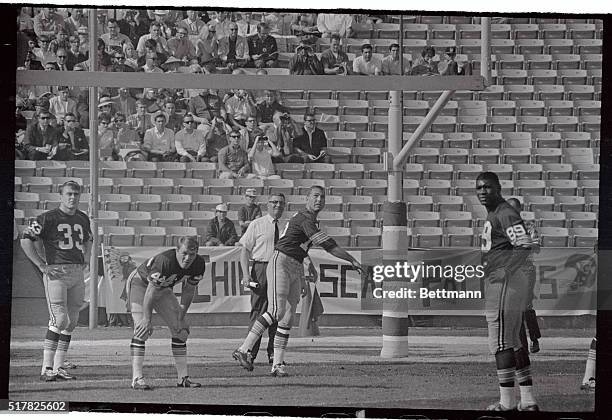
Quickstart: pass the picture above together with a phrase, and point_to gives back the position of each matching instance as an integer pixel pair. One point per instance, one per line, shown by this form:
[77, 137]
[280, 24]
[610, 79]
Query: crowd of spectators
[204, 41]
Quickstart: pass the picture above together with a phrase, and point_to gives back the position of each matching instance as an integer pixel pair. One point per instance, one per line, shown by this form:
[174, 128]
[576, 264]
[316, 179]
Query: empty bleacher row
[562, 198]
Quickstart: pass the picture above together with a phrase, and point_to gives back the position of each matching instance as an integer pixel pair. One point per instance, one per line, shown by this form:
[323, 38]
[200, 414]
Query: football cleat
[279, 371]
[48, 376]
[535, 346]
[68, 365]
[244, 359]
[588, 386]
[63, 375]
[186, 383]
[139, 383]
[499, 407]
[530, 407]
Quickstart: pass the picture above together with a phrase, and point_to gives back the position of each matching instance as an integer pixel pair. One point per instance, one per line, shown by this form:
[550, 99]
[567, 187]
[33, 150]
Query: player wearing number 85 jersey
[505, 248]
[58, 242]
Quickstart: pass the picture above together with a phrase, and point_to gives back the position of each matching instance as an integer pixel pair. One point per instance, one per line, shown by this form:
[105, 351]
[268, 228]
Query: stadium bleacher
[537, 127]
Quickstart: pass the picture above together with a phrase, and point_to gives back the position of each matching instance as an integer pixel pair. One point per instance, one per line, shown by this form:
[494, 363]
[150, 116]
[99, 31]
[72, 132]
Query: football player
[150, 287]
[505, 246]
[285, 275]
[65, 235]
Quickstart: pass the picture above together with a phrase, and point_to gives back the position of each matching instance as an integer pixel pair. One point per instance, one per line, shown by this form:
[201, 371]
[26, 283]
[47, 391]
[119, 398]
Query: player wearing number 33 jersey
[505, 248]
[65, 235]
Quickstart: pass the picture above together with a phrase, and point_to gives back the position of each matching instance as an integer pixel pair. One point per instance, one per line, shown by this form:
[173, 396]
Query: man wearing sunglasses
[233, 159]
[190, 143]
[40, 137]
[73, 144]
[233, 49]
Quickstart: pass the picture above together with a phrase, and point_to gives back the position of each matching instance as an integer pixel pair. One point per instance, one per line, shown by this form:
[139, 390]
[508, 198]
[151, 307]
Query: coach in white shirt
[258, 244]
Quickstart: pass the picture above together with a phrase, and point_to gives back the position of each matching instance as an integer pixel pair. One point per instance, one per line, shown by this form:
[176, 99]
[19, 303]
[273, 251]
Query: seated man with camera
[260, 157]
[304, 61]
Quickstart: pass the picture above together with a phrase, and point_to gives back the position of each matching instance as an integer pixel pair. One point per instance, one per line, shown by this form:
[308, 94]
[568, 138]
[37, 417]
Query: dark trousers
[259, 306]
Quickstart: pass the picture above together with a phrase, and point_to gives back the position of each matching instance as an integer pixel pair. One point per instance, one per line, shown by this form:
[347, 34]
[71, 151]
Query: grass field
[446, 369]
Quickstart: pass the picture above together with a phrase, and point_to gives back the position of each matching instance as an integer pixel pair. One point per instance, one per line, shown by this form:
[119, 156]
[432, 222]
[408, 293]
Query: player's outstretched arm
[341, 253]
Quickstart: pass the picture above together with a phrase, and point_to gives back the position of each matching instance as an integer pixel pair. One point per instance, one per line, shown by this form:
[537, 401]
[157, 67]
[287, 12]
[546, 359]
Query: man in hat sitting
[304, 61]
[221, 230]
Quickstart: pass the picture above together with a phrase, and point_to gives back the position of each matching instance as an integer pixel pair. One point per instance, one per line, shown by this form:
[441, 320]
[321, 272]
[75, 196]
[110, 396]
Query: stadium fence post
[93, 176]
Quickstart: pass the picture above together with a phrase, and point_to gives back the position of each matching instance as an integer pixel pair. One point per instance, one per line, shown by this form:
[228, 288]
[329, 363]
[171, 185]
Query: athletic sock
[262, 323]
[137, 350]
[589, 371]
[49, 348]
[504, 360]
[179, 351]
[62, 349]
[281, 338]
[523, 377]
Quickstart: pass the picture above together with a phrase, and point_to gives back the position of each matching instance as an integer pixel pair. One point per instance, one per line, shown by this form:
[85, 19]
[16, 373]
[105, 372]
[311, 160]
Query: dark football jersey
[163, 270]
[300, 234]
[63, 235]
[503, 232]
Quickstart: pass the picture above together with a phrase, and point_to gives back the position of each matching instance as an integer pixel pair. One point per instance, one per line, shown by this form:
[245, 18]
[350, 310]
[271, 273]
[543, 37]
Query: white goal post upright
[394, 239]
[395, 314]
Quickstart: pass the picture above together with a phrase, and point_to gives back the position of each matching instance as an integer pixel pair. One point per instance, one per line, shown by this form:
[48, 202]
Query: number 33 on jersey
[63, 236]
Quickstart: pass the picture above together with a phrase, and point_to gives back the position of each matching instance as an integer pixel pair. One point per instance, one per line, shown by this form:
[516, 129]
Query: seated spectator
[160, 45]
[47, 22]
[114, 40]
[310, 145]
[304, 26]
[149, 64]
[199, 107]
[126, 136]
[140, 121]
[83, 35]
[238, 107]
[60, 41]
[216, 140]
[124, 102]
[268, 107]
[335, 23]
[196, 28]
[104, 60]
[248, 133]
[105, 104]
[190, 143]
[62, 103]
[163, 18]
[260, 157]
[286, 132]
[62, 60]
[131, 56]
[72, 143]
[305, 61]
[40, 137]
[75, 56]
[207, 50]
[367, 64]
[262, 48]
[250, 211]
[221, 230]
[158, 141]
[424, 65]
[119, 65]
[181, 47]
[447, 66]
[44, 53]
[233, 160]
[391, 63]
[107, 143]
[82, 108]
[233, 49]
[174, 120]
[75, 21]
[333, 59]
